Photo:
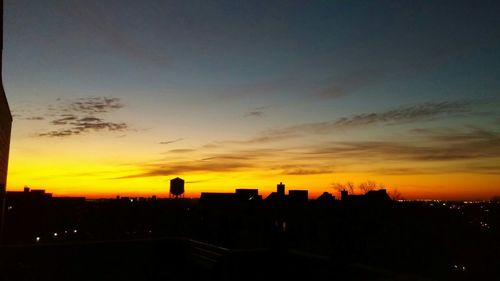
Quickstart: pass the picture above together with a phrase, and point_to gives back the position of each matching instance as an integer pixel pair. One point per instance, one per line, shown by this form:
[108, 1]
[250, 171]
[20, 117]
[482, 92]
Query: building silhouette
[279, 195]
[247, 194]
[295, 196]
[298, 196]
[28, 195]
[5, 128]
[326, 197]
[372, 196]
[280, 189]
[217, 198]
[240, 195]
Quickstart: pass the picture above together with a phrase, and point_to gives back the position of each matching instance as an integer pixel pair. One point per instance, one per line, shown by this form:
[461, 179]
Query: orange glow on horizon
[69, 180]
[97, 167]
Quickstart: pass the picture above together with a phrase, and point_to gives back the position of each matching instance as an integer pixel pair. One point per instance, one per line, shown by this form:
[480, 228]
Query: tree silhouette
[364, 187]
[395, 195]
[349, 186]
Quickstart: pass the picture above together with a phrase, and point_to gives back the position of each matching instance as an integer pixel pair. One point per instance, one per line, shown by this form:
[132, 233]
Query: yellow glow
[83, 177]
[93, 166]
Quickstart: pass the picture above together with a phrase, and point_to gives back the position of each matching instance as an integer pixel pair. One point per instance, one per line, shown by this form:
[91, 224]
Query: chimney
[280, 189]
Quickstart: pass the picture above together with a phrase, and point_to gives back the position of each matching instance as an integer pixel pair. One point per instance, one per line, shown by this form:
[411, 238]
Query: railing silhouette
[205, 255]
[168, 259]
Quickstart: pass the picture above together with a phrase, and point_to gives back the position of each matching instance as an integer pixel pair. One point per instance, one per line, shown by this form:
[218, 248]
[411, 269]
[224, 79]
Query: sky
[118, 97]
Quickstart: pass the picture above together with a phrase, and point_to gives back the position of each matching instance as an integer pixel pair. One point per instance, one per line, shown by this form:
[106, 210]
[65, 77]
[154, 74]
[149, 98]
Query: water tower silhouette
[177, 188]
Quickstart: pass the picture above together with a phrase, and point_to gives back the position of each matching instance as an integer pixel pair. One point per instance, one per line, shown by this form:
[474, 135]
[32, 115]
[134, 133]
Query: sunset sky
[117, 97]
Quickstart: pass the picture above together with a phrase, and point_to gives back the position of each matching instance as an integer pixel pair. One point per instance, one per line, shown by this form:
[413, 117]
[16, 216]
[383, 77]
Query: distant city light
[75, 230]
[55, 234]
[37, 239]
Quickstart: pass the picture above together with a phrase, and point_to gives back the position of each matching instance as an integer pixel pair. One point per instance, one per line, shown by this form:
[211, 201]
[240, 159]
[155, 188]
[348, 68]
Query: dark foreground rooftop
[174, 259]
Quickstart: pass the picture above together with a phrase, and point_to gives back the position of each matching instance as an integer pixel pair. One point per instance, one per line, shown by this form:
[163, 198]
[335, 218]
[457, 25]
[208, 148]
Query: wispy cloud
[223, 157]
[59, 133]
[83, 115]
[257, 112]
[476, 168]
[84, 125]
[64, 119]
[407, 114]
[189, 167]
[93, 123]
[171, 141]
[29, 116]
[246, 154]
[35, 118]
[432, 145]
[420, 112]
[230, 161]
[469, 150]
[301, 171]
[199, 181]
[182, 150]
[88, 105]
[428, 111]
[267, 136]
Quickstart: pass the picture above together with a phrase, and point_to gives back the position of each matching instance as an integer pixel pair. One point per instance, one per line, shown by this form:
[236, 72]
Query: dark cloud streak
[171, 141]
[182, 150]
[190, 167]
[468, 150]
[233, 161]
[408, 114]
[256, 113]
[435, 146]
[82, 116]
[90, 105]
[35, 118]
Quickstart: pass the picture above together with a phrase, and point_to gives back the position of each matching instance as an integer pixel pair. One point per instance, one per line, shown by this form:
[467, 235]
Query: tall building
[5, 127]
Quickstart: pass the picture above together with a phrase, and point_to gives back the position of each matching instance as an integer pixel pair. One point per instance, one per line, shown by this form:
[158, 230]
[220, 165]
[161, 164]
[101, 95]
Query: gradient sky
[117, 97]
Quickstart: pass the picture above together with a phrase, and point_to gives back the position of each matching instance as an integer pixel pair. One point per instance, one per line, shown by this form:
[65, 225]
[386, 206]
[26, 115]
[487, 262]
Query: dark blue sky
[299, 47]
